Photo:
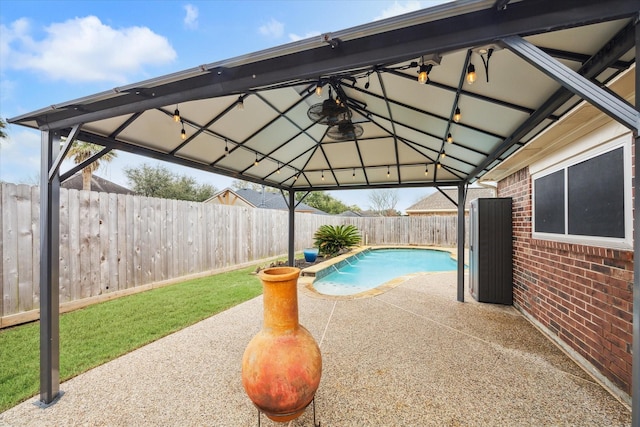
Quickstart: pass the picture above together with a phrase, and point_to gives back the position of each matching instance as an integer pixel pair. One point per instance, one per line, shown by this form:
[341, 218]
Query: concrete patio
[411, 356]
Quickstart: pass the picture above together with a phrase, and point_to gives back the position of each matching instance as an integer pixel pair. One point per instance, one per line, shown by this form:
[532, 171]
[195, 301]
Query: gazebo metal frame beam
[635, 361]
[610, 53]
[610, 104]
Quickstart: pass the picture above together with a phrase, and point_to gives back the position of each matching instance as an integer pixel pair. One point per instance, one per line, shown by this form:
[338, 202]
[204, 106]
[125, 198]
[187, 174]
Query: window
[586, 199]
[549, 197]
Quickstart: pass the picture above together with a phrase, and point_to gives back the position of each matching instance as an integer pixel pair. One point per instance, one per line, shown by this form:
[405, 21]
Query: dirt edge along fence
[113, 245]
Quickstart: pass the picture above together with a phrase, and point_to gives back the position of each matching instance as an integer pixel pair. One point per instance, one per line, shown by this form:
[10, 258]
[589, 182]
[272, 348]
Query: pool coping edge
[310, 274]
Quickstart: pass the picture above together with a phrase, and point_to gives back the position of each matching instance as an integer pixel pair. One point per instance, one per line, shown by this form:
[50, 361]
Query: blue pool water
[371, 269]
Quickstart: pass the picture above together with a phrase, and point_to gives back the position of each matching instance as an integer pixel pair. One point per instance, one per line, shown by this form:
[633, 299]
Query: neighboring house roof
[437, 202]
[97, 184]
[258, 199]
[229, 197]
[351, 214]
[367, 213]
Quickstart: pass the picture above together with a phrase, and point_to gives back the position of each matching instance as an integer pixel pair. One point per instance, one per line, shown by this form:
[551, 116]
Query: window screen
[596, 196]
[549, 203]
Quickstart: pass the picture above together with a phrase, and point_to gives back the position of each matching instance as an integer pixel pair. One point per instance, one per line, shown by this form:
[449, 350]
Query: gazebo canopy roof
[289, 138]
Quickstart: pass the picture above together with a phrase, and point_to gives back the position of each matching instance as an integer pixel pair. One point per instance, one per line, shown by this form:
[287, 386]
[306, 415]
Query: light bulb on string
[457, 115]
[471, 74]
[176, 115]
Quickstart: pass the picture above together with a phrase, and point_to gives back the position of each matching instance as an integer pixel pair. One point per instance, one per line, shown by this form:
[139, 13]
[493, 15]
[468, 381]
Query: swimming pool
[373, 267]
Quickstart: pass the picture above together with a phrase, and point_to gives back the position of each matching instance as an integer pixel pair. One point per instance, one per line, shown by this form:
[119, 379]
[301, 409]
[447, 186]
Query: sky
[57, 51]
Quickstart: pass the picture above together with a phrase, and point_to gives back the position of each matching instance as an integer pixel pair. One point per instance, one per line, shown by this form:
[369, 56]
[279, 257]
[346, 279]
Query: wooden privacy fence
[117, 244]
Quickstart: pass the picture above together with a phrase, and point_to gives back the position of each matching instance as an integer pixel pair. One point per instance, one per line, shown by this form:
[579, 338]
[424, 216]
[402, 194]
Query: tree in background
[3, 126]
[323, 201]
[81, 151]
[158, 181]
[384, 202]
[239, 184]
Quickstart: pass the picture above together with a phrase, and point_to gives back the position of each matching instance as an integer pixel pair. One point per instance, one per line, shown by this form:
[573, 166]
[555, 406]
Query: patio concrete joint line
[326, 328]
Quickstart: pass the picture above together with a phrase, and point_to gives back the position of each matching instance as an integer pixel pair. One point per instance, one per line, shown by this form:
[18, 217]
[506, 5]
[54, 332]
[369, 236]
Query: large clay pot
[281, 366]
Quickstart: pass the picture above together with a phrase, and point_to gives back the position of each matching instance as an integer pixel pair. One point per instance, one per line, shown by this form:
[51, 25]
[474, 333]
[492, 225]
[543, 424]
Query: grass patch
[94, 335]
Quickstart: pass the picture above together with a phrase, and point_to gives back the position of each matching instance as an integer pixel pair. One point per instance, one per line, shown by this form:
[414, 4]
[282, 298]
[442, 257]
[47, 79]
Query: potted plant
[310, 254]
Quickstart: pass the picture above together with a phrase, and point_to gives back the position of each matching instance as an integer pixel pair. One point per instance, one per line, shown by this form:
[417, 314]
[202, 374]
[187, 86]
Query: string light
[319, 88]
[323, 174]
[278, 171]
[443, 154]
[183, 133]
[449, 138]
[426, 170]
[226, 147]
[423, 73]
[256, 162]
[240, 104]
[176, 115]
[388, 173]
[471, 74]
[457, 115]
[439, 166]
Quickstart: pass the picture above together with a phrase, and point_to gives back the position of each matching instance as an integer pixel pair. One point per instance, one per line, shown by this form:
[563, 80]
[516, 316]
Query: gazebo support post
[49, 270]
[292, 228]
[461, 201]
[635, 357]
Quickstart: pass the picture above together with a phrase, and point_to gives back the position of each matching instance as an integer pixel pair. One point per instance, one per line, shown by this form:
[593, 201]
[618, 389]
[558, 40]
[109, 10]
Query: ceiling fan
[345, 130]
[329, 112]
[335, 114]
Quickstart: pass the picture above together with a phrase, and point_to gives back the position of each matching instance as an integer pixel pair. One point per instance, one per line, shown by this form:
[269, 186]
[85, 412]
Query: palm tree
[81, 151]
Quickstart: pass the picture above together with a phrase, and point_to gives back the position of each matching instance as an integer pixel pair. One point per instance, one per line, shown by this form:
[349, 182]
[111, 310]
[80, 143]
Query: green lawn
[102, 332]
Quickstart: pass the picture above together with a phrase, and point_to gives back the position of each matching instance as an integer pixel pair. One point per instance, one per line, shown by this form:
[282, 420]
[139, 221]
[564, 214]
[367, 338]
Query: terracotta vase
[282, 365]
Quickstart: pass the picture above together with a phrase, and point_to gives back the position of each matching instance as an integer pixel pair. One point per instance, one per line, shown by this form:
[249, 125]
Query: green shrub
[330, 240]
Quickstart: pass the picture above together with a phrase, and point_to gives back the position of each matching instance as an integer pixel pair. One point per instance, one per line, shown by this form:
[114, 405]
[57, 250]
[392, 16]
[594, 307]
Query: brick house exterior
[579, 294]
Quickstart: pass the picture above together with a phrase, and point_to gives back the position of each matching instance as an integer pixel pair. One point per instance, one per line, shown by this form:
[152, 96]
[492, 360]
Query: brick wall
[581, 294]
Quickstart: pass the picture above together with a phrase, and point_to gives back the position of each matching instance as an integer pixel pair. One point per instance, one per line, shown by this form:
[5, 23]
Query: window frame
[563, 162]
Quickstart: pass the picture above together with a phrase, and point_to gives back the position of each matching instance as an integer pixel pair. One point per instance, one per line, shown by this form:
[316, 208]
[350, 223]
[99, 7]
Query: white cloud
[273, 29]
[20, 156]
[191, 16]
[398, 9]
[83, 49]
[295, 37]
[7, 89]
